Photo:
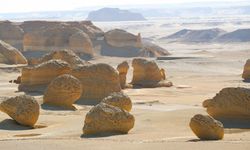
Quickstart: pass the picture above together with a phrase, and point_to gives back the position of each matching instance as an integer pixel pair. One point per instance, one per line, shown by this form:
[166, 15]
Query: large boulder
[229, 103]
[246, 72]
[123, 70]
[60, 36]
[98, 81]
[12, 34]
[63, 91]
[66, 55]
[150, 49]
[119, 99]
[107, 119]
[23, 109]
[38, 77]
[10, 55]
[206, 127]
[122, 38]
[148, 74]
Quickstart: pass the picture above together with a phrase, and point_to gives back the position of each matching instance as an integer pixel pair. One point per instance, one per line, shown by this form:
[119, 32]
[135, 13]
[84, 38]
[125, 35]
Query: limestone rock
[63, 91]
[98, 81]
[246, 72]
[232, 103]
[38, 77]
[121, 38]
[206, 128]
[123, 70]
[66, 55]
[150, 49]
[148, 74]
[23, 109]
[10, 55]
[104, 118]
[119, 99]
[12, 34]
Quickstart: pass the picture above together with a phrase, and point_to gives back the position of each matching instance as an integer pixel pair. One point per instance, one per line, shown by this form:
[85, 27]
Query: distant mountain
[186, 35]
[241, 35]
[114, 14]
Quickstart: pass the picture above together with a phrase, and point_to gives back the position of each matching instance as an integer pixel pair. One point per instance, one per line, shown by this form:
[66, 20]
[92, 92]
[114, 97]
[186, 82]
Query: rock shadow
[101, 135]
[235, 123]
[58, 108]
[9, 124]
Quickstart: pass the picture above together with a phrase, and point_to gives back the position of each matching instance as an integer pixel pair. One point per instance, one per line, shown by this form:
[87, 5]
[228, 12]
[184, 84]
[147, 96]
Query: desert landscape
[154, 83]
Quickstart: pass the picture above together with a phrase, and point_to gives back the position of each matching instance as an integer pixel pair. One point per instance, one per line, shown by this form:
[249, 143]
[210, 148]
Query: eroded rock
[246, 72]
[123, 70]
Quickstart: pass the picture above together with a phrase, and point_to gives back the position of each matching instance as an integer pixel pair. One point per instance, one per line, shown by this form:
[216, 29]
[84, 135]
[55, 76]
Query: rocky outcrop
[23, 109]
[58, 37]
[229, 103]
[11, 34]
[148, 74]
[150, 49]
[246, 71]
[10, 55]
[98, 81]
[114, 14]
[38, 77]
[123, 70]
[119, 99]
[63, 91]
[66, 55]
[107, 119]
[206, 128]
[122, 38]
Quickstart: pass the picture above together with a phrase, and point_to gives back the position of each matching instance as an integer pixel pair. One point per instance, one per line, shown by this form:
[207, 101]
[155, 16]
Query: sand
[162, 114]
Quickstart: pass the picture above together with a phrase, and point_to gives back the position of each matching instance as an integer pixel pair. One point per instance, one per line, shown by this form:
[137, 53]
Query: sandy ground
[162, 114]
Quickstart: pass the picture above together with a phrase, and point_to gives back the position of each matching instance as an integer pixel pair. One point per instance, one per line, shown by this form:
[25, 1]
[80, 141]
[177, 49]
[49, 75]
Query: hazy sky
[49, 5]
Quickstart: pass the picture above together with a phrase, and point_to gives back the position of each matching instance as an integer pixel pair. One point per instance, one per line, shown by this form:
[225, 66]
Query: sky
[8, 6]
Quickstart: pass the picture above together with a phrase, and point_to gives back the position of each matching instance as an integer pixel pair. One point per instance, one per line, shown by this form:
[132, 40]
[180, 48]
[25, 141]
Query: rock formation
[229, 103]
[123, 70]
[246, 72]
[11, 34]
[107, 119]
[58, 37]
[98, 81]
[10, 55]
[148, 74]
[63, 91]
[23, 109]
[38, 77]
[206, 128]
[119, 99]
[114, 14]
[150, 49]
[66, 55]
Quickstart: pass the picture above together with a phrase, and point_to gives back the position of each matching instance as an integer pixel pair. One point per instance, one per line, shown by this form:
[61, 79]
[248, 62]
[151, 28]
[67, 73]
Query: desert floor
[162, 114]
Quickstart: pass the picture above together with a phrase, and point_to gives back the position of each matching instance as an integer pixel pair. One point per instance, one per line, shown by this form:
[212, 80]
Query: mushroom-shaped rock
[206, 128]
[246, 72]
[98, 81]
[38, 77]
[63, 91]
[148, 74]
[123, 70]
[66, 55]
[107, 119]
[229, 103]
[10, 55]
[119, 99]
[23, 109]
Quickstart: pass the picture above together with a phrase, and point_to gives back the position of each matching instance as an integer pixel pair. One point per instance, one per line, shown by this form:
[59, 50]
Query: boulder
[12, 34]
[66, 55]
[122, 38]
[98, 81]
[147, 74]
[150, 49]
[63, 91]
[10, 55]
[246, 72]
[23, 109]
[123, 70]
[107, 119]
[229, 103]
[119, 99]
[206, 127]
[38, 77]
